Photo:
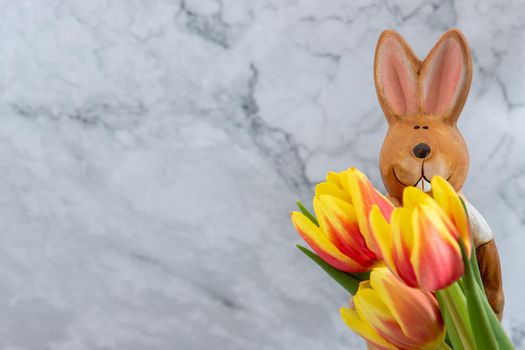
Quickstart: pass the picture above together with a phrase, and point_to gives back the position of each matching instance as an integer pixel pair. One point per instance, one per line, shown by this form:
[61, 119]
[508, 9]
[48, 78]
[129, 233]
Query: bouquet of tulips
[411, 270]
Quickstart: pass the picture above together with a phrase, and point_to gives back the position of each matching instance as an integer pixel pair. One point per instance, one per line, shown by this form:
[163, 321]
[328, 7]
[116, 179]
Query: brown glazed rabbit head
[422, 101]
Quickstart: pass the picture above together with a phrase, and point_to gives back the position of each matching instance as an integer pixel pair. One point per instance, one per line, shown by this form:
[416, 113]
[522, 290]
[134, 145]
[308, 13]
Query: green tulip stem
[452, 333]
[456, 303]
[479, 319]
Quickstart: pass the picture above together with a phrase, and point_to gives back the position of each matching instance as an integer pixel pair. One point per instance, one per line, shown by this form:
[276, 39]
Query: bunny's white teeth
[424, 185]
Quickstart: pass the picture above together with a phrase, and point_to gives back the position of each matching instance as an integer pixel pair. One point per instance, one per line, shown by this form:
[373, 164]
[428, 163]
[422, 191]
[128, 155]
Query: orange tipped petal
[403, 243]
[337, 219]
[322, 245]
[416, 311]
[364, 196]
[450, 202]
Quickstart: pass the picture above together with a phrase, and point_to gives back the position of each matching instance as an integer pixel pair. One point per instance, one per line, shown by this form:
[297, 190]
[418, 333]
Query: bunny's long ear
[446, 75]
[396, 76]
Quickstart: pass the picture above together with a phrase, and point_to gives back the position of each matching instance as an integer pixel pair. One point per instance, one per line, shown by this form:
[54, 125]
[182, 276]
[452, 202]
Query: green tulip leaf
[501, 336]
[473, 261]
[347, 281]
[307, 213]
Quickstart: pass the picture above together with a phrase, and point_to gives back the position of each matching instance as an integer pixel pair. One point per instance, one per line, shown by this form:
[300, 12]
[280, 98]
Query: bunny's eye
[425, 127]
[416, 127]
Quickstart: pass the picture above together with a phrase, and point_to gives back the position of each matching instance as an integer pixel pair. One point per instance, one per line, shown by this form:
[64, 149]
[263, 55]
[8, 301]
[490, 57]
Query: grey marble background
[151, 152]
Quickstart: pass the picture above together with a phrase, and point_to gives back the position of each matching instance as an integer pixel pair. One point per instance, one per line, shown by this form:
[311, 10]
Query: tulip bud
[420, 244]
[391, 315]
[342, 205]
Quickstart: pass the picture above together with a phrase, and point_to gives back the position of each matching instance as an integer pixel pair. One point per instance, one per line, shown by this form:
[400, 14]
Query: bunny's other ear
[446, 75]
[396, 76]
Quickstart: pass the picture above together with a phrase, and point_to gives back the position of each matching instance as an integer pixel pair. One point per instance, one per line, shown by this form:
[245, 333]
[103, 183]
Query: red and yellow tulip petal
[382, 231]
[320, 243]
[321, 217]
[416, 311]
[371, 308]
[341, 221]
[364, 196]
[361, 188]
[436, 256]
[337, 219]
[403, 244]
[384, 204]
[355, 323]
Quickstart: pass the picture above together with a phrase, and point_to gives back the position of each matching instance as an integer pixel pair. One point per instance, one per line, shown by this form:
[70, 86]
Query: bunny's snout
[421, 150]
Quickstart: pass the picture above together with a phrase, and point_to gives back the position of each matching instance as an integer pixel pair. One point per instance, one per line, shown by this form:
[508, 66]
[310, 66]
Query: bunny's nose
[421, 150]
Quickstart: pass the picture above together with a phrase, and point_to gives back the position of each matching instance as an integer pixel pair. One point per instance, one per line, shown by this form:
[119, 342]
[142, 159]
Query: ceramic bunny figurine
[422, 101]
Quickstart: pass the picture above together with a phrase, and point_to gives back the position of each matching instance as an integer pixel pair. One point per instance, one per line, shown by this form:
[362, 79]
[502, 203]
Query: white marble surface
[151, 151]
